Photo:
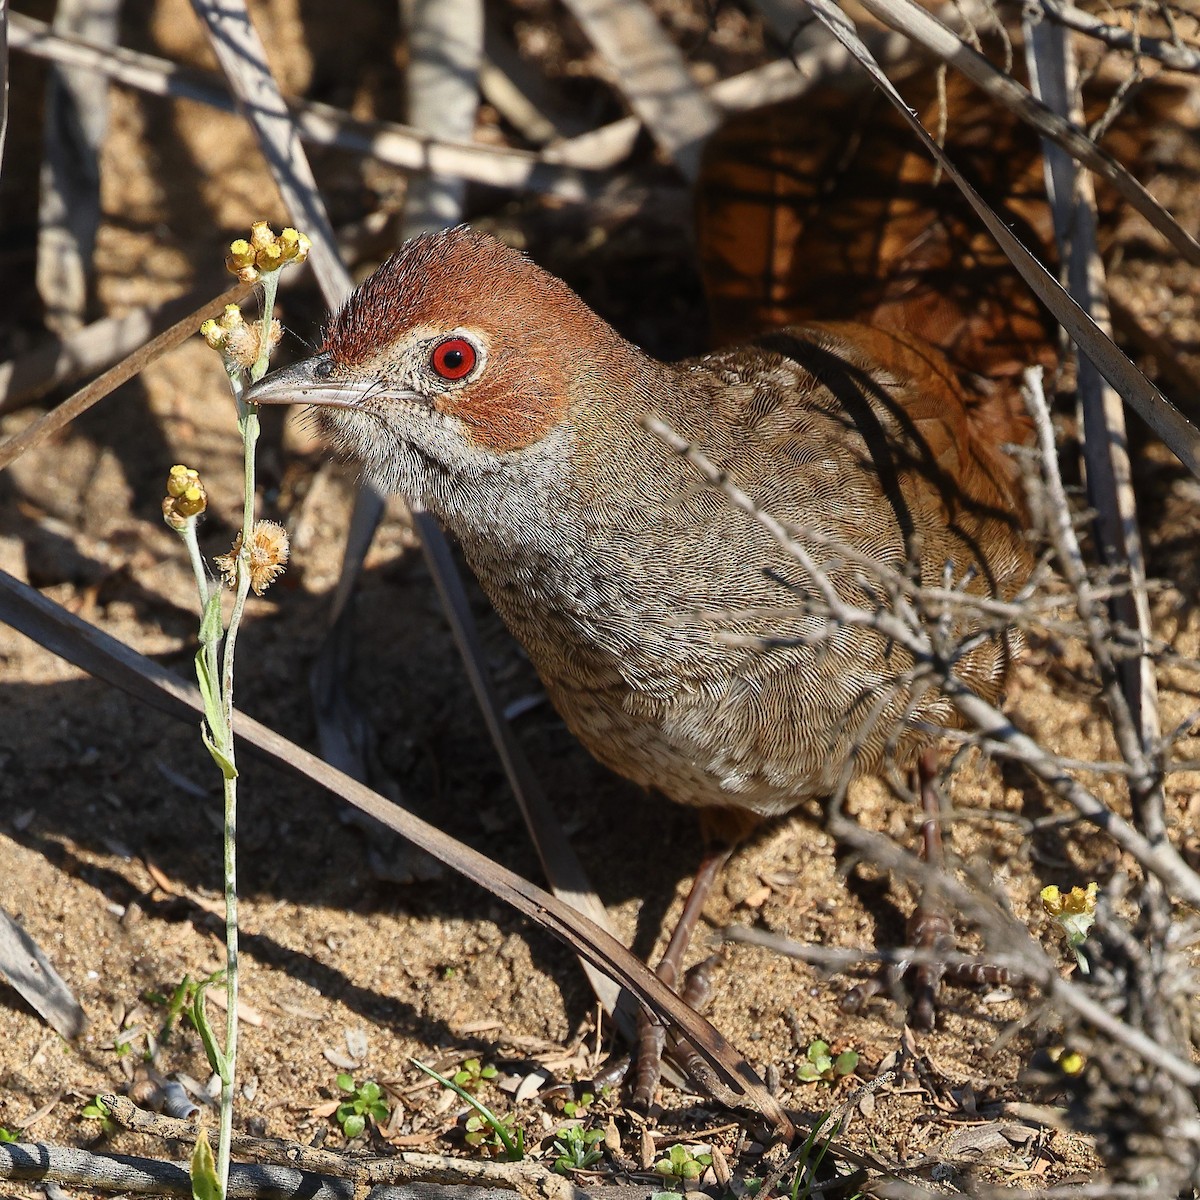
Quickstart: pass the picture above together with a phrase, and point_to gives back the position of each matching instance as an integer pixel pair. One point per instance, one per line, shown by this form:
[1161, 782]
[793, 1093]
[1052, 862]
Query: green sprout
[807, 1165]
[471, 1074]
[9, 1135]
[575, 1148]
[366, 1100]
[494, 1135]
[484, 1130]
[682, 1164]
[97, 1110]
[578, 1108]
[180, 1003]
[819, 1064]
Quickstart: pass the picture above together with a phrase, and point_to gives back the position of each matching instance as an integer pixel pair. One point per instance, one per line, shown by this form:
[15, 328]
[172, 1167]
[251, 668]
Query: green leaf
[219, 756]
[205, 1184]
[846, 1062]
[7, 1135]
[345, 1082]
[210, 693]
[210, 619]
[353, 1125]
[216, 1060]
[369, 1092]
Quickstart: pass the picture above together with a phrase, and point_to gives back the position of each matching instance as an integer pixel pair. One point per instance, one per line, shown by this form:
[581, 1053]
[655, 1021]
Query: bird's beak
[308, 382]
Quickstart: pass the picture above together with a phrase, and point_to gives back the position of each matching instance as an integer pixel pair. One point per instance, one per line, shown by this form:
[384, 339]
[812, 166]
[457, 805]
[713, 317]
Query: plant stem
[248, 424]
[197, 560]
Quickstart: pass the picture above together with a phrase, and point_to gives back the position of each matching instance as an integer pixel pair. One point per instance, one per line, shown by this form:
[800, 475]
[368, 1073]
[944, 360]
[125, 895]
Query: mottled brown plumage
[608, 560]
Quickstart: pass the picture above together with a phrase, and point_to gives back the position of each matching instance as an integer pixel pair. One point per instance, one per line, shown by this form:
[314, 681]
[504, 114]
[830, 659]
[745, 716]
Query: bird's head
[457, 355]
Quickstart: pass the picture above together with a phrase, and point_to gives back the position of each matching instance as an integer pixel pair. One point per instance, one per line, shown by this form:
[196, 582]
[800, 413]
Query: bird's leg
[652, 1035]
[723, 830]
[929, 928]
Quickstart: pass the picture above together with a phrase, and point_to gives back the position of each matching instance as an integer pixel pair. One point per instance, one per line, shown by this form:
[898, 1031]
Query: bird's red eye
[454, 358]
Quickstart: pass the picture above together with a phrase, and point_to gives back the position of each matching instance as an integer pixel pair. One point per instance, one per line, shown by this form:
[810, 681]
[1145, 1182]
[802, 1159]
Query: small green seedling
[97, 1110]
[819, 1063]
[177, 1004]
[575, 1148]
[682, 1164]
[180, 1003]
[9, 1135]
[471, 1074]
[366, 1100]
[493, 1135]
[579, 1108]
[811, 1155]
[485, 1130]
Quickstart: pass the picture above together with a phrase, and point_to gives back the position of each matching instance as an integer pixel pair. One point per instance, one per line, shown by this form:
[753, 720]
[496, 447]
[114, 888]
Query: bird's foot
[654, 1041]
[931, 934]
[930, 929]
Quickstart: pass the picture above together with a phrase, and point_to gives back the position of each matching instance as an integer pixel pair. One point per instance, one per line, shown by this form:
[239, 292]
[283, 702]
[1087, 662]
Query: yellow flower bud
[180, 479]
[289, 243]
[213, 334]
[1071, 1063]
[269, 258]
[185, 496]
[240, 257]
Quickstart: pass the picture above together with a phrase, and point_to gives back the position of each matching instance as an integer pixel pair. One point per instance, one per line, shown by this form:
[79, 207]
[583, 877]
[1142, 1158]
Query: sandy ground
[109, 830]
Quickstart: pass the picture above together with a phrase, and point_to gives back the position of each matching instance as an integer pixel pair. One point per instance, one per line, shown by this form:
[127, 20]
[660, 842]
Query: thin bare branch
[69, 201]
[321, 124]
[61, 416]
[1171, 54]
[1130, 682]
[649, 70]
[925, 29]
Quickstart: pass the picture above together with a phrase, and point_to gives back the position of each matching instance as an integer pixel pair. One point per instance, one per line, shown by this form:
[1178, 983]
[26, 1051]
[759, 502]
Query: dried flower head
[242, 345]
[268, 554]
[250, 259]
[239, 342]
[185, 497]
